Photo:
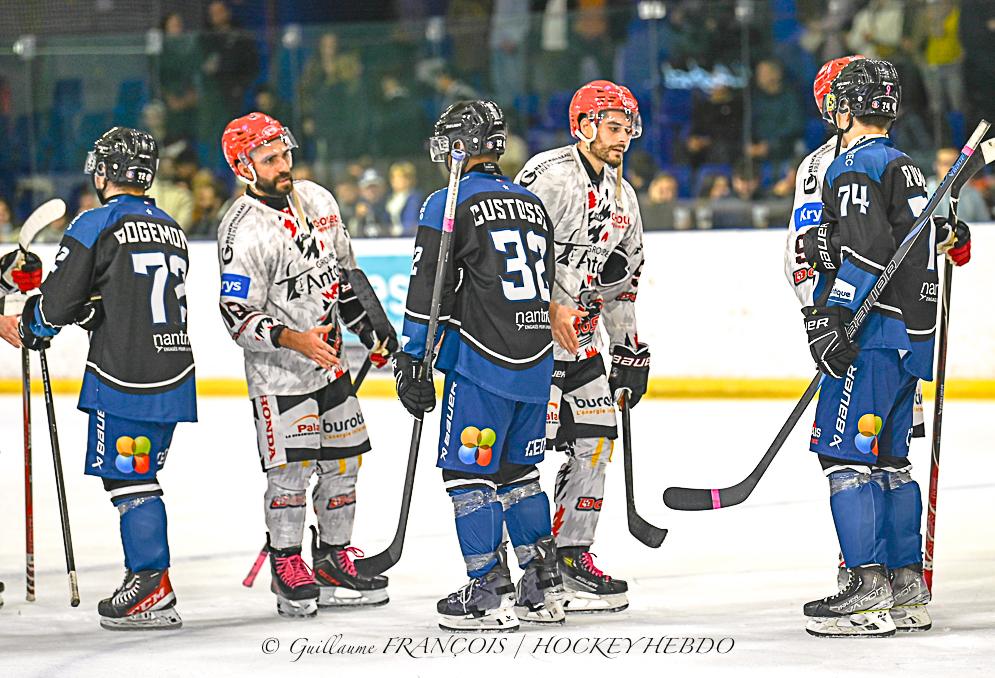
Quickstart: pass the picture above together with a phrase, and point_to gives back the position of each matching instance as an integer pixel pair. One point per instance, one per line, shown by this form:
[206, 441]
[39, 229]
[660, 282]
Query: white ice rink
[741, 573]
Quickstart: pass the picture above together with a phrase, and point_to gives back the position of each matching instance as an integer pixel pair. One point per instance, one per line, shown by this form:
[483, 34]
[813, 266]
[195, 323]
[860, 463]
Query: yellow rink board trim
[659, 387]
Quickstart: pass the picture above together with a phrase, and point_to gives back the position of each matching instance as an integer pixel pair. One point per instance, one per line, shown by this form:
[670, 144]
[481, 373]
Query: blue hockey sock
[143, 533]
[526, 513]
[479, 521]
[902, 517]
[858, 510]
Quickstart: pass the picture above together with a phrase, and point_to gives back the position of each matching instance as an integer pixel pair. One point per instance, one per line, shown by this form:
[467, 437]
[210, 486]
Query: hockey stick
[383, 561]
[638, 527]
[60, 485]
[46, 213]
[29, 509]
[700, 499]
[261, 558]
[986, 156]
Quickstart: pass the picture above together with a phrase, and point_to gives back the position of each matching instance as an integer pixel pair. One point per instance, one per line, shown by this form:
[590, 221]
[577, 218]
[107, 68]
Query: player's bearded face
[272, 163]
[614, 134]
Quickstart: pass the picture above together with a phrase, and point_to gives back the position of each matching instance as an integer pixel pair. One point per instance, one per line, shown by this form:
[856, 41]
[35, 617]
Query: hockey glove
[380, 349]
[827, 341]
[91, 316]
[822, 248]
[414, 389]
[28, 338]
[953, 240]
[630, 372]
[25, 277]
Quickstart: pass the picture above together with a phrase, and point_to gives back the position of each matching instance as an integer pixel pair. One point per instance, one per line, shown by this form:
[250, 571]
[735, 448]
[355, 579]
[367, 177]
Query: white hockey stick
[53, 210]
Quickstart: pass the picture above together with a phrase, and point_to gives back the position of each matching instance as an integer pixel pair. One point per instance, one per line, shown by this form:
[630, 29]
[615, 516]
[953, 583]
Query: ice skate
[860, 609]
[587, 588]
[339, 584]
[911, 596]
[539, 593]
[145, 601]
[485, 603]
[293, 583]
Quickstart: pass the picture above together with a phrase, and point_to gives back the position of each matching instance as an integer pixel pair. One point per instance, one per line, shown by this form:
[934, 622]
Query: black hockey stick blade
[639, 528]
[966, 165]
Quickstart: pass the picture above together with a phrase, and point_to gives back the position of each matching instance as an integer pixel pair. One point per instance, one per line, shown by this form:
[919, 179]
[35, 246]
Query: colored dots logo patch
[133, 454]
[868, 427]
[478, 445]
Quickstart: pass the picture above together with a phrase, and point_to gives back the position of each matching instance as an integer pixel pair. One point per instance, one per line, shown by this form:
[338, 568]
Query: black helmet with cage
[476, 127]
[866, 87]
[124, 156]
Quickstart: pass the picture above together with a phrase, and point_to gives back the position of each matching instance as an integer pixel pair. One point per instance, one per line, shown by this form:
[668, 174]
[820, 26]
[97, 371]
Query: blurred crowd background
[724, 88]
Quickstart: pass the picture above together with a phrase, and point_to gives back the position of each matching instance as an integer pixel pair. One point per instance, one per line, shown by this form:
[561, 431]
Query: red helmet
[824, 80]
[244, 134]
[597, 97]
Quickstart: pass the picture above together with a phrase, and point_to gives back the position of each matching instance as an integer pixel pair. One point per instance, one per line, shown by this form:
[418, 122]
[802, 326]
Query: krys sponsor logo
[234, 285]
[809, 214]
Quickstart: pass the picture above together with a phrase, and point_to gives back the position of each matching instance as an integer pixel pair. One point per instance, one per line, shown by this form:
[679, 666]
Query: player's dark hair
[882, 121]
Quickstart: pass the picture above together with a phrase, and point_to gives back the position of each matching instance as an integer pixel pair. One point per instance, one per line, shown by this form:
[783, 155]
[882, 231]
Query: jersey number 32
[528, 279]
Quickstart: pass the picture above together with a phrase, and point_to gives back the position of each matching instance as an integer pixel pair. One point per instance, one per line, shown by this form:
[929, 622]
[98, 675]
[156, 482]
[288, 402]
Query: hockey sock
[479, 523]
[580, 487]
[143, 533]
[902, 517]
[284, 503]
[335, 499]
[858, 510]
[526, 513]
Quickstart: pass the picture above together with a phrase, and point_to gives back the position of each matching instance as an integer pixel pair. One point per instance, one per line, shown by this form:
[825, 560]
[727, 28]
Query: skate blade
[296, 609]
[501, 620]
[541, 616]
[153, 620]
[912, 618]
[870, 624]
[582, 602]
[330, 597]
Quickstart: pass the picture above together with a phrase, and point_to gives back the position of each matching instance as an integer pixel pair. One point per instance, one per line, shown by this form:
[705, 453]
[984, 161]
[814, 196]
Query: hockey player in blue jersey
[496, 353]
[871, 197]
[119, 274]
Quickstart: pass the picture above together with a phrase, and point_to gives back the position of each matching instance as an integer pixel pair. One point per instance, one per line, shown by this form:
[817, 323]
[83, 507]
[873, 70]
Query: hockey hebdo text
[607, 647]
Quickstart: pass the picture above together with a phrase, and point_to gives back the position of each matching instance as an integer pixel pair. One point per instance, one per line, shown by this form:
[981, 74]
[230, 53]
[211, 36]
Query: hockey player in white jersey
[599, 254]
[286, 261]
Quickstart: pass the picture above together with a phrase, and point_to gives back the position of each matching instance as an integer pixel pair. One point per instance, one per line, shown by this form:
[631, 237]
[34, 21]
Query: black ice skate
[588, 589]
[293, 583]
[144, 601]
[339, 584]
[539, 593]
[483, 604]
[861, 608]
[911, 596]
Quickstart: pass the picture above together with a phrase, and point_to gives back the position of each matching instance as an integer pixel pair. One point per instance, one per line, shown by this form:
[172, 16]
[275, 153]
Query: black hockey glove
[380, 349]
[954, 241]
[28, 338]
[630, 372]
[91, 316]
[415, 391]
[822, 248]
[826, 327]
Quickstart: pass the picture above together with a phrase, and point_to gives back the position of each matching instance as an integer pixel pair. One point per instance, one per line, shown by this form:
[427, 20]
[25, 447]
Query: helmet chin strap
[840, 133]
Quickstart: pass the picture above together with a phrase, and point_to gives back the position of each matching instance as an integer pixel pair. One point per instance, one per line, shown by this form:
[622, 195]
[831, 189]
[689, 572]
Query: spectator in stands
[778, 115]
[971, 207]
[268, 102]
[371, 219]
[468, 23]
[784, 187]
[230, 65]
[405, 200]
[154, 115]
[715, 187]
[877, 29]
[508, 42]
[977, 36]
[935, 41]
[179, 65]
[399, 120]
[347, 196]
[208, 199]
[85, 199]
[331, 78]
[185, 165]
[171, 196]
[716, 127]
[451, 90]
[823, 35]
[659, 203]
[639, 169]
[7, 228]
[746, 181]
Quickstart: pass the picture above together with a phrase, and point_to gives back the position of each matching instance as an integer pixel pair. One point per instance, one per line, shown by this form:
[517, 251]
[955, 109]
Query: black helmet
[124, 156]
[478, 126]
[866, 87]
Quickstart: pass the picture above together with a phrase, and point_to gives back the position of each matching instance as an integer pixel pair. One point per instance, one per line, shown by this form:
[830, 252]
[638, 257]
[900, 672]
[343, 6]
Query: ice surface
[741, 573]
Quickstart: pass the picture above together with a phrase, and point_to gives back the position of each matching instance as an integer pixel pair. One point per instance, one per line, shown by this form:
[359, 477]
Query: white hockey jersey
[599, 246]
[279, 269]
[806, 213]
